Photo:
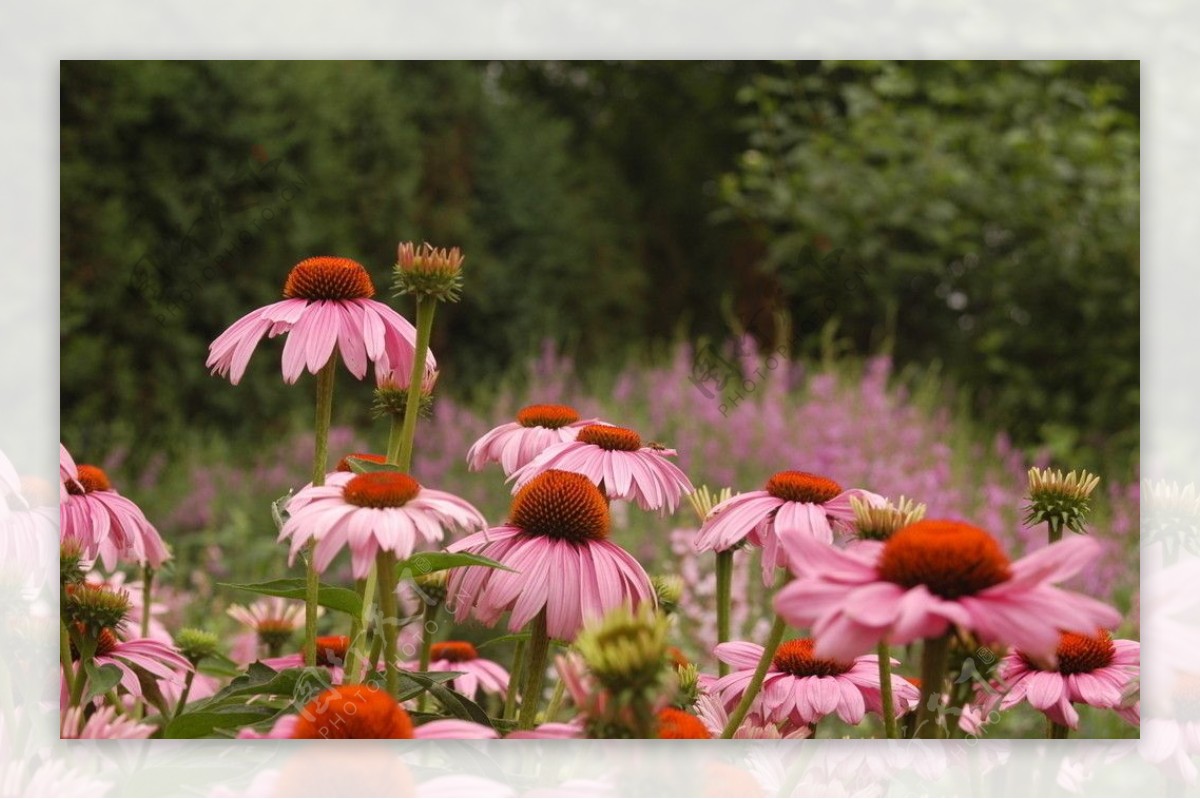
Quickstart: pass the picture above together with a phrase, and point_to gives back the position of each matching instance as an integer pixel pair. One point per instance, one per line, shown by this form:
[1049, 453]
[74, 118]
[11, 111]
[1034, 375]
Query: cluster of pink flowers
[783, 595]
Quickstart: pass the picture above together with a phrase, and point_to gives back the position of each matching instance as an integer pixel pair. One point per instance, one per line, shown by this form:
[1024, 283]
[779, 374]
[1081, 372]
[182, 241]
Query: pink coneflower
[104, 723]
[362, 711]
[537, 428]
[328, 304]
[799, 502]
[556, 542]
[1092, 669]
[331, 653]
[929, 576]
[712, 712]
[614, 459]
[477, 672]
[372, 512]
[145, 654]
[103, 523]
[801, 689]
[272, 619]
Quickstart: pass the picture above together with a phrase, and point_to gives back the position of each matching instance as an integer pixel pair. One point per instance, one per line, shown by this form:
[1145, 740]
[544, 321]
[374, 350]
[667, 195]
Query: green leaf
[201, 723]
[328, 596]
[428, 562]
[451, 701]
[101, 679]
[360, 466]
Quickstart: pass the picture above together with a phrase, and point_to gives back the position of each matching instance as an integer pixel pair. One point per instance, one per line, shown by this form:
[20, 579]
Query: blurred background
[917, 277]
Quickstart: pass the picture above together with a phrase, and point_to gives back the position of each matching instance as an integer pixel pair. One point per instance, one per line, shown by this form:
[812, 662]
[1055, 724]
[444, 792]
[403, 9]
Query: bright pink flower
[331, 653]
[328, 304]
[537, 428]
[550, 731]
[103, 523]
[378, 511]
[145, 654]
[477, 672]
[1092, 669]
[614, 459]
[929, 576]
[800, 689]
[712, 712]
[798, 502]
[556, 543]
[362, 711]
[104, 723]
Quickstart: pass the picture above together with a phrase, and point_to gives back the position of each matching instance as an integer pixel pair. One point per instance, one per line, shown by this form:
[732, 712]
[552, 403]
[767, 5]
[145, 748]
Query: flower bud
[1060, 500]
[428, 271]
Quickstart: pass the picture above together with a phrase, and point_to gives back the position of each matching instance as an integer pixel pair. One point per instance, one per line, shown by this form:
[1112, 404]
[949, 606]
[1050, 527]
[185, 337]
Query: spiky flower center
[551, 416]
[673, 723]
[380, 490]
[328, 278]
[344, 464]
[453, 651]
[796, 658]
[1080, 654]
[91, 478]
[331, 649]
[802, 487]
[618, 439]
[95, 605]
[951, 559]
[562, 505]
[353, 711]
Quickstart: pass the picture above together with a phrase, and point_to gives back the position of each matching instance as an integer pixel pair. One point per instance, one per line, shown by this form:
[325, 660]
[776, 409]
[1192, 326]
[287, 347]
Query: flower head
[327, 305]
[1090, 668]
[616, 460]
[674, 723]
[139, 656]
[391, 395]
[929, 576]
[428, 271]
[801, 688]
[95, 607]
[273, 619]
[373, 512]
[196, 645]
[103, 523]
[791, 502]
[669, 590]
[106, 722]
[477, 673]
[514, 444]
[626, 651]
[556, 543]
[1058, 499]
[879, 522]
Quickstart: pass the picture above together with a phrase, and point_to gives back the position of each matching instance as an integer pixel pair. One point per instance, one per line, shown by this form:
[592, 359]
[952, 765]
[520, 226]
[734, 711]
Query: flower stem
[724, 600]
[183, 695]
[426, 306]
[395, 436]
[356, 654]
[428, 625]
[64, 656]
[1059, 731]
[514, 679]
[147, 580]
[385, 563]
[1056, 529]
[560, 690]
[539, 647]
[760, 674]
[312, 581]
[934, 657]
[885, 690]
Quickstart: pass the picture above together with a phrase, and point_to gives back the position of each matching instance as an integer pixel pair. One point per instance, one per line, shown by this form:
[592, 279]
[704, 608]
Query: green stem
[539, 648]
[147, 579]
[885, 690]
[395, 436]
[426, 306]
[724, 600]
[560, 690]
[514, 679]
[385, 562]
[320, 462]
[1059, 731]
[64, 656]
[760, 674]
[933, 673]
[354, 654]
[428, 625]
[187, 689]
[1056, 529]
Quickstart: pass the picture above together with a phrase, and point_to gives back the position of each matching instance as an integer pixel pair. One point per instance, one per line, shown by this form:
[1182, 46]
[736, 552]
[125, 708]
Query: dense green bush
[982, 216]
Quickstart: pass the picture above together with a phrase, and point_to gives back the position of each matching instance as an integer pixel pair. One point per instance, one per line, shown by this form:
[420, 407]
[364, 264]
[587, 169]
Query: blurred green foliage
[978, 216]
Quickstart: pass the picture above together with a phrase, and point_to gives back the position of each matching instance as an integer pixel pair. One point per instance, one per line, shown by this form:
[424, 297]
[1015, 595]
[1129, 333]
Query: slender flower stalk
[428, 625]
[539, 648]
[312, 582]
[147, 579]
[885, 691]
[756, 682]
[514, 679]
[385, 564]
[426, 308]
[724, 601]
[934, 658]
